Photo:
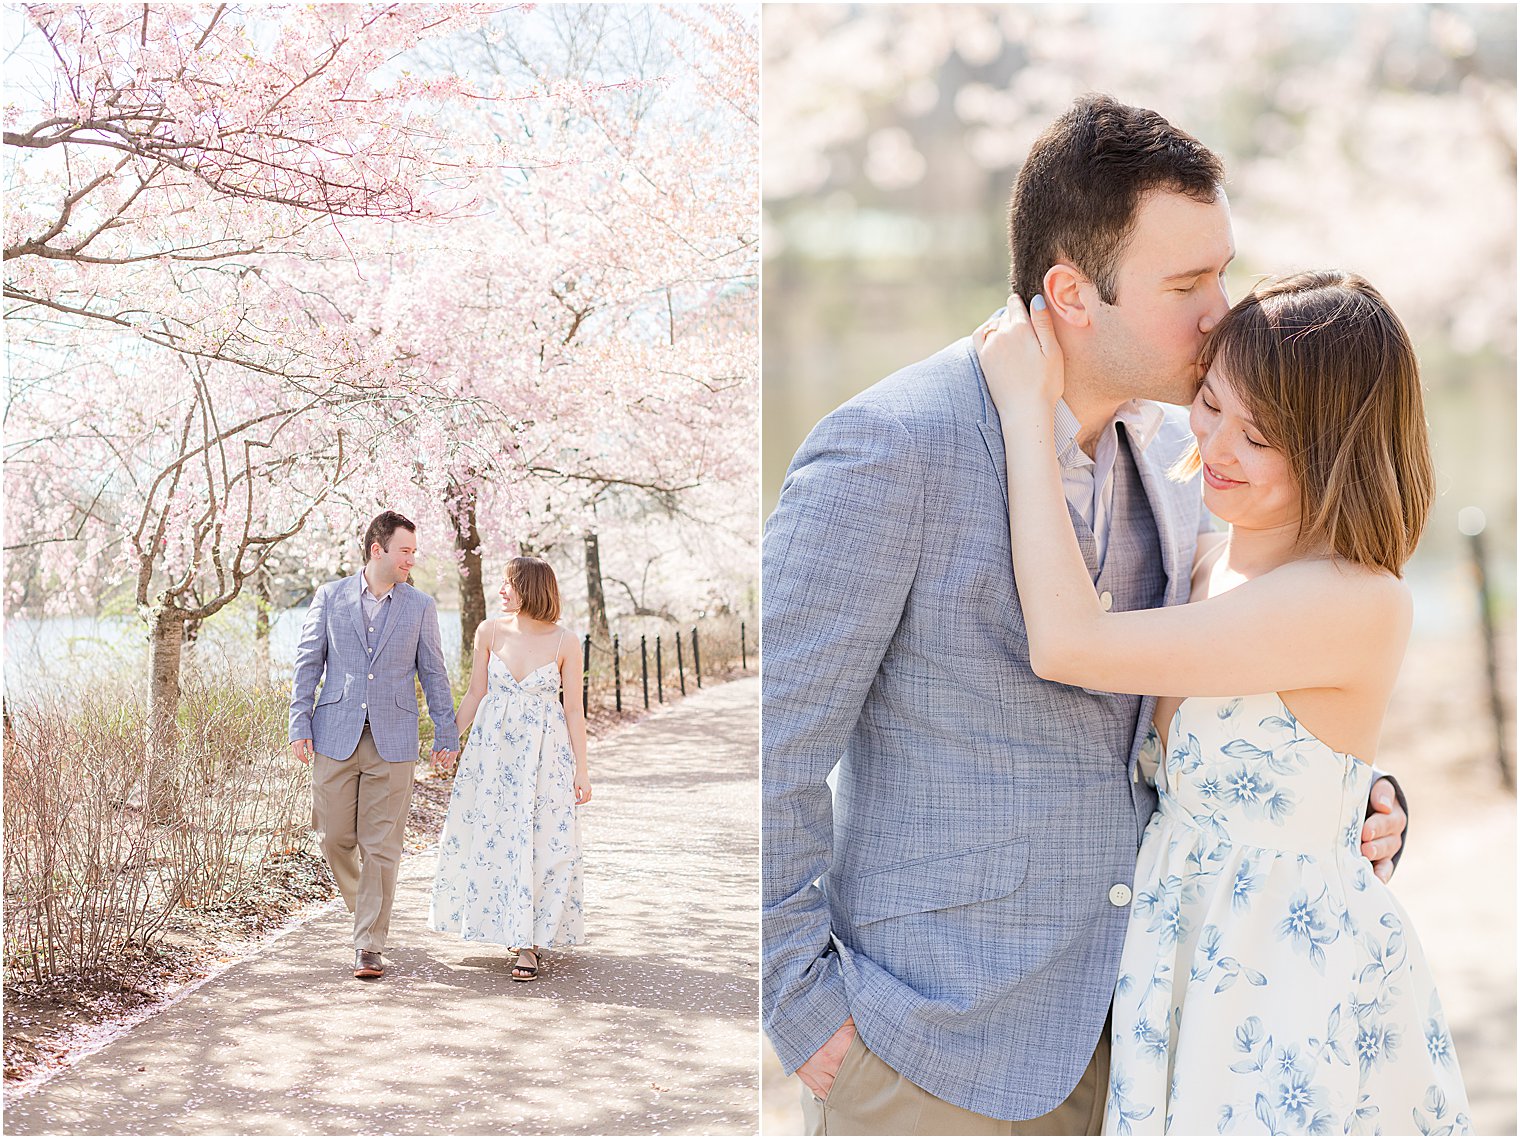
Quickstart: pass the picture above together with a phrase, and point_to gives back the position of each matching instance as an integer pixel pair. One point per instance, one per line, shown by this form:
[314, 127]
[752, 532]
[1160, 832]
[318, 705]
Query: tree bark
[165, 653]
[596, 604]
[264, 606]
[462, 503]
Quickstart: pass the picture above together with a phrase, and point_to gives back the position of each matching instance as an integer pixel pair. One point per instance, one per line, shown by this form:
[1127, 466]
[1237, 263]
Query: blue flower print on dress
[1269, 981]
[509, 856]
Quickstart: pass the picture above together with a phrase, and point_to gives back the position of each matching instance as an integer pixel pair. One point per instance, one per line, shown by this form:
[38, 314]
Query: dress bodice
[1246, 772]
[542, 683]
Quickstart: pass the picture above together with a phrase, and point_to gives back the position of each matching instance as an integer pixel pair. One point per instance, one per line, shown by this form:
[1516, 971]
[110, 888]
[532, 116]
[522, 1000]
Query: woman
[509, 855]
[1269, 980]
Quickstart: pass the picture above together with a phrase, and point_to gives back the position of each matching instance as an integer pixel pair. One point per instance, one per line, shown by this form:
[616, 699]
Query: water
[51, 651]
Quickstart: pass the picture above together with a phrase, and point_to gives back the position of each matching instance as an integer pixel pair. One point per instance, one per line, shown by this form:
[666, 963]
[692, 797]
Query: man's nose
[1219, 304]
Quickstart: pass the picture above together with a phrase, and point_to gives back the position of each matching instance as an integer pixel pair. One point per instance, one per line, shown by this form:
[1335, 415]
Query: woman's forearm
[1060, 607]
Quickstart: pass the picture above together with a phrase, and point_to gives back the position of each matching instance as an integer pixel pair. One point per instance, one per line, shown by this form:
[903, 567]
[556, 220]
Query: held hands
[819, 1069]
[1383, 832]
[445, 761]
[1021, 358]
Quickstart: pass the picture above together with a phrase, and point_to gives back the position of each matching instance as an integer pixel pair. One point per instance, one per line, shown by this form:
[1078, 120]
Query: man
[941, 937]
[370, 635]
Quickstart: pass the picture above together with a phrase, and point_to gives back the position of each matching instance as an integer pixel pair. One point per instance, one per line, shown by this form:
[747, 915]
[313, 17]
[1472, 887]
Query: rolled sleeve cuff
[803, 1023]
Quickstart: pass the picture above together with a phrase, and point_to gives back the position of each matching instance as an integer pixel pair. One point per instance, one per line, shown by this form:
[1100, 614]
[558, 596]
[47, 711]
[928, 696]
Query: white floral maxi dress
[1270, 983]
[509, 860]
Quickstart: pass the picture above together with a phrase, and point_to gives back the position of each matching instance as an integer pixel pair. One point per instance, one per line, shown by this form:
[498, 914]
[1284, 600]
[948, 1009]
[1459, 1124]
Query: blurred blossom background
[1373, 138]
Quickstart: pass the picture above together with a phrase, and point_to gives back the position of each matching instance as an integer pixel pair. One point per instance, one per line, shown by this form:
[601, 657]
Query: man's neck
[1093, 413]
[371, 579]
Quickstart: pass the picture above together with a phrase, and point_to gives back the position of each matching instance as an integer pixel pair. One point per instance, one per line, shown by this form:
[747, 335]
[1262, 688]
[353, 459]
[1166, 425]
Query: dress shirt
[1088, 480]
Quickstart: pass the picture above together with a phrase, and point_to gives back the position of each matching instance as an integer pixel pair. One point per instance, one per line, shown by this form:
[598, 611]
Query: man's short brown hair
[1076, 198]
[533, 580]
[382, 528]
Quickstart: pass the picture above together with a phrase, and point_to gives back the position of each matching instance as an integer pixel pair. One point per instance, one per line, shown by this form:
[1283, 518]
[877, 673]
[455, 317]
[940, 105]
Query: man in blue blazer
[941, 935]
[367, 638]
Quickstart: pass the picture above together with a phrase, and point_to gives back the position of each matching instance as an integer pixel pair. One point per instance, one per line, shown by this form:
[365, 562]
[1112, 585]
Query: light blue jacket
[379, 686]
[956, 895]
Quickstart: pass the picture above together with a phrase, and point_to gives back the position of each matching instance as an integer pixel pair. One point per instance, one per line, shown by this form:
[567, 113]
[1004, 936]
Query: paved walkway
[648, 1028]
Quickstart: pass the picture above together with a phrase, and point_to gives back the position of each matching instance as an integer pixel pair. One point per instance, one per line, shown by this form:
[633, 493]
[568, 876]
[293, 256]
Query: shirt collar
[1142, 419]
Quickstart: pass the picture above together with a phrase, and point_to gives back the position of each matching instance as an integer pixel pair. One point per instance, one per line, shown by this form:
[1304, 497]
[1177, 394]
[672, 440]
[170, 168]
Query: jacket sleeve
[839, 557]
[311, 662]
[435, 680]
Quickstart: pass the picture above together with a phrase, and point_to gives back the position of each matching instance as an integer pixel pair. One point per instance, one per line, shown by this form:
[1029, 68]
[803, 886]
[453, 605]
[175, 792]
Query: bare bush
[91, 864]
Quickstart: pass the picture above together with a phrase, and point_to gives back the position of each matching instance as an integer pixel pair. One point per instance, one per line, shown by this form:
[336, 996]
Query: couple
[509, 856]
[960, 940]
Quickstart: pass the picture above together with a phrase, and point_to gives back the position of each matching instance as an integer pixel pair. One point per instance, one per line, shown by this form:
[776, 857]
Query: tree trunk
[264, 607]
[596, 604]
[462, 502]
[166, 645]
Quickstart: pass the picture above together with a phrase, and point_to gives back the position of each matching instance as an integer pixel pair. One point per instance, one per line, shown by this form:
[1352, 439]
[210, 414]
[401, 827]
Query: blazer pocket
[331, 694]
[940, 882]
[407, 703]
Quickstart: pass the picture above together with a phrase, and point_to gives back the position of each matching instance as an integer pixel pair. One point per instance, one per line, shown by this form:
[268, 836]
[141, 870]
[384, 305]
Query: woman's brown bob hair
[533, 580]
[1327, 372]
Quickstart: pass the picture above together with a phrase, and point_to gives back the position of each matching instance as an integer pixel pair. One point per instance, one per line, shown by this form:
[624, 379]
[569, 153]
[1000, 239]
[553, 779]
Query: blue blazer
[357, 685]
[956, 893]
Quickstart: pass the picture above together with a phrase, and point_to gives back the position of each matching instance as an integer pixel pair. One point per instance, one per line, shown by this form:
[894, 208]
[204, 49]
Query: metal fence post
[680, 662]
[586, 675]
[644, 666]
[659, 669]
[617, 672]
[696, 656]
[743, 656]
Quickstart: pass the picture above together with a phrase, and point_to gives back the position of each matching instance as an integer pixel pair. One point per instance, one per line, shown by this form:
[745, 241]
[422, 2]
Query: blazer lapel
[1160, 493]
[355, 603]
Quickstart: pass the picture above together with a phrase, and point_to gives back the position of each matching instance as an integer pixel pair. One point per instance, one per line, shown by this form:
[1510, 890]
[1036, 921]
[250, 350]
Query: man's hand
[444, 761]
[302, 750]
[822, 1066]
[1383, 832]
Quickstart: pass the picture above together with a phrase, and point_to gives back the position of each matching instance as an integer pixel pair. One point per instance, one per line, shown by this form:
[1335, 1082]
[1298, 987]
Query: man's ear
[1063, 293]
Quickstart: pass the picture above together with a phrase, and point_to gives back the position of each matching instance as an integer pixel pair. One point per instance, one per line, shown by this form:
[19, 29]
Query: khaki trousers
[358, 806]
[869, 1098]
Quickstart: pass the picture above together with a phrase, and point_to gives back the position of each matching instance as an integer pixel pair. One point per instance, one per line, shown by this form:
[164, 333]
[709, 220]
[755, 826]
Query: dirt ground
[1458, 882]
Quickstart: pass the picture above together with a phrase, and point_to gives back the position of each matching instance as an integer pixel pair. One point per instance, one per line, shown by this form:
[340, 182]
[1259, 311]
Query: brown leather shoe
[368, 965]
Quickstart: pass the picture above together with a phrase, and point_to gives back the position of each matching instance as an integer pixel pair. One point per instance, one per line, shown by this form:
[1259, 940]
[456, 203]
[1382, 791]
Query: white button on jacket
[1119, 894]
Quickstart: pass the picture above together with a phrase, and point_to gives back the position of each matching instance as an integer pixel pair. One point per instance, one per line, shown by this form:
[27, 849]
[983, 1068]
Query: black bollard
[659, 669]
[617, 673]
[586, 675]
[696, 656]
[680, 662]
[644, 666]
[743, 656]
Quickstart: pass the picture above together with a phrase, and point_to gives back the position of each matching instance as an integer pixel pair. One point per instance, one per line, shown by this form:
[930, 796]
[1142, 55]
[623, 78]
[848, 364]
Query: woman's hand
[1021, 358]
[582, 788]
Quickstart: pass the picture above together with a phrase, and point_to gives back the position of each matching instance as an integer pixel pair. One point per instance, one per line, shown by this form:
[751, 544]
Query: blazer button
[1116, 887]
[1119, 894]
[372, 676]
[1105, 599]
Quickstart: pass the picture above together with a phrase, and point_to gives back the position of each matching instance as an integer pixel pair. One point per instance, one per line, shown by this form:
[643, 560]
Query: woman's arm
[1308, 624]
[470, 704]
[575, 717]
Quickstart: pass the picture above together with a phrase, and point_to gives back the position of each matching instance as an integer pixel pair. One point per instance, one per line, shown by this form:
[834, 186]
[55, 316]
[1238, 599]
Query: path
[650, 1027]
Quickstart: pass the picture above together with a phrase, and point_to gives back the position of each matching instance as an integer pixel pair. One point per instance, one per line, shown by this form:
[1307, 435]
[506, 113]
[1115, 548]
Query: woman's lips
[1217, 481]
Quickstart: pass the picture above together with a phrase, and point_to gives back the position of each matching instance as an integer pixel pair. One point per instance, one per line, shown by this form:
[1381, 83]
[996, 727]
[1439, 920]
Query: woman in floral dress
[509, 859]
[1270, 981]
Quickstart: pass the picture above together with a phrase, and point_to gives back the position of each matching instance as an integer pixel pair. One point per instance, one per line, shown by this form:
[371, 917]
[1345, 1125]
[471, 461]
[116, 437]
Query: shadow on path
[649, 1027]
